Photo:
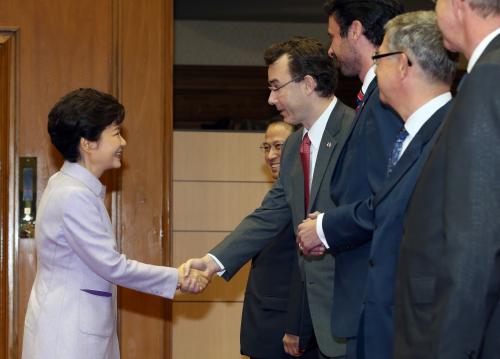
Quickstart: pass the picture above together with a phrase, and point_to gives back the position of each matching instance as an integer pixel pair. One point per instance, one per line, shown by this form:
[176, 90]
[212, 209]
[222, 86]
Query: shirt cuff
[319, 230]
[223, 270]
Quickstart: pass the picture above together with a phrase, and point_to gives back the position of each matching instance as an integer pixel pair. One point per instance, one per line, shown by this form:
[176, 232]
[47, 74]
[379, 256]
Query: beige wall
[219, 177]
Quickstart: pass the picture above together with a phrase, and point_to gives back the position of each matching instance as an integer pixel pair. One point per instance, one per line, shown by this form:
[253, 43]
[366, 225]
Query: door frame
[9, 110]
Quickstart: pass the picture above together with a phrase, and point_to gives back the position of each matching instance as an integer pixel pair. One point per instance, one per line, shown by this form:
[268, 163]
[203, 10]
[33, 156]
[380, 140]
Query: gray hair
[417, 34]
[485, 8]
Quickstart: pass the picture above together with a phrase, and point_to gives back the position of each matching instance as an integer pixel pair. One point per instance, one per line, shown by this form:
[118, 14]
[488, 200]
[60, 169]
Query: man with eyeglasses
[302, 81]
[448, 282]
[414, 73]
[265, 307]
[356, 30]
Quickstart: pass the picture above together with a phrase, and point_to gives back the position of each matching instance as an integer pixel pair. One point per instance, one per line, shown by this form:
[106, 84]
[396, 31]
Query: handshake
[196, 273]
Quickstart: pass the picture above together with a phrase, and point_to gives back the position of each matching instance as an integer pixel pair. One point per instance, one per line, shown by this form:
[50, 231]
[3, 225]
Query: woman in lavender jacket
[72, 307]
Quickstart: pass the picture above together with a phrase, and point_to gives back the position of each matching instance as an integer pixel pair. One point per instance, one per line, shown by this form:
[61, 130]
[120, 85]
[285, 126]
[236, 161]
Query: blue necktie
[396, 150]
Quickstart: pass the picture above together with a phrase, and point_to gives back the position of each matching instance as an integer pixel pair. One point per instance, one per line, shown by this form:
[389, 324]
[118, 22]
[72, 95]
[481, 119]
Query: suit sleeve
[349, 226]
[469, 284]
[299, 320]
[92, 241]
[254, 232]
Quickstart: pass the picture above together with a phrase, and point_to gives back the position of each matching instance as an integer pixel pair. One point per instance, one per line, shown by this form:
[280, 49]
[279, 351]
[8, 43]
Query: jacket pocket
[274, 303]
[95, 311]
[423, 290]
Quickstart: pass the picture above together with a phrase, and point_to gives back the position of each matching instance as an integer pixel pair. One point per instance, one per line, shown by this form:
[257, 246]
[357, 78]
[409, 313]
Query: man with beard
[356, 29]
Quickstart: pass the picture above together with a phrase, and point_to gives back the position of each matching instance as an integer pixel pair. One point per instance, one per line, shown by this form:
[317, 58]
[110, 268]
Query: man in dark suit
[264, 316]
[302, 81]
[448, 281]
[414, 74]
[356, 29]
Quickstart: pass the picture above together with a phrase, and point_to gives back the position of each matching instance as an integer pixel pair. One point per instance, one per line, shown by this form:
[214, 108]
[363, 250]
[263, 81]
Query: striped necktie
[359, 99]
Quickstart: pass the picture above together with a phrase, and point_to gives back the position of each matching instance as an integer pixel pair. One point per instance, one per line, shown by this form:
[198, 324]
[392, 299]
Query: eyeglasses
[266, 147]
[277, 88]
[378, 56]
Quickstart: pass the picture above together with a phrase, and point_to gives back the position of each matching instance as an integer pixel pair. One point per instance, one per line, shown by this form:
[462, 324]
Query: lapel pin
[328, 144]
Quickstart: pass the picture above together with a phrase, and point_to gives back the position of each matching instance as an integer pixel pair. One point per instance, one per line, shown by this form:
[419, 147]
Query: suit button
[371, 263]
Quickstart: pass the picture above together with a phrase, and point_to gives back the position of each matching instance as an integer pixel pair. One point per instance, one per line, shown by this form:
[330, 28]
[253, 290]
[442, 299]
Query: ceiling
[265, 10]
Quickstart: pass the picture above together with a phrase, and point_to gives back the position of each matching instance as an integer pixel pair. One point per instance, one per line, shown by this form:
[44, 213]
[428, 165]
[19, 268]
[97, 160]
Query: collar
[425, 112]
[81, 174]
[370, 75]
[478, 51]
[316, 131]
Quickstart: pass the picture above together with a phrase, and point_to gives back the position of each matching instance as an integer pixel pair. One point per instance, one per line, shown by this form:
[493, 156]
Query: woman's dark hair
[373, 15]
[82, 113]
[307, 56]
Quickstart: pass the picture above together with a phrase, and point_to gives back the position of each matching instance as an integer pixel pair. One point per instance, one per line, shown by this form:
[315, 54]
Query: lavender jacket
[72, 307]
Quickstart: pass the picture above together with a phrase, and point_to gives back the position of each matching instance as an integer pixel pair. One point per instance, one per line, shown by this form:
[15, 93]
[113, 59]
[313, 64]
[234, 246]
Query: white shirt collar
[478, 51]
[316, 131]
[370, 75]
[425, 112]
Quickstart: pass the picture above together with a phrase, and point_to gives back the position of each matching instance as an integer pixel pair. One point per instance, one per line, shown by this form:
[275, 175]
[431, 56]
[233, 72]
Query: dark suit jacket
[360, 173]
[284, 204]
[448, 281]
[265, 307]
[390, 205]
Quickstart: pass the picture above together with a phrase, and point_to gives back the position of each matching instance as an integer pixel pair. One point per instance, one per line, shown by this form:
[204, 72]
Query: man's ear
[310, 84]
[355, 30]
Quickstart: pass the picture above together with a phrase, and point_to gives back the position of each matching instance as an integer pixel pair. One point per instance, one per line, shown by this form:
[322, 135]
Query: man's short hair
[485, 7]
[372, 14]
[306, 56]
[418, 35]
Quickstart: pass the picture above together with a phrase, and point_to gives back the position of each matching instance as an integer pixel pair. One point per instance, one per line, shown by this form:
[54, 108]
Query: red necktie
[359, 99]
[305, 157]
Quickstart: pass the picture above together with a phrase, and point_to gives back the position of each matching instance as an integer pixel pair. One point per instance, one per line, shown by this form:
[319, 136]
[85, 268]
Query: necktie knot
[396, 150]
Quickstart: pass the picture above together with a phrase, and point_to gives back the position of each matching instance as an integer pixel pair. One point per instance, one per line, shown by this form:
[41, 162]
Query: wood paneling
[231, 94]
[206, 330]
[214, 206]
[219, 178]
[5, 69]
[125, 48]
[241, 163]
[145, 68]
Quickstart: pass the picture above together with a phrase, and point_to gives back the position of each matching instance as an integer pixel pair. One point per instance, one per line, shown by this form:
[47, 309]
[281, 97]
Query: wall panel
[219, 178]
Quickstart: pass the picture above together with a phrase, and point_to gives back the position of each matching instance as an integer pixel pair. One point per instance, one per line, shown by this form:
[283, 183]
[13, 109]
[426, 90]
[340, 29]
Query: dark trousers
[309, 354]
[351, 346]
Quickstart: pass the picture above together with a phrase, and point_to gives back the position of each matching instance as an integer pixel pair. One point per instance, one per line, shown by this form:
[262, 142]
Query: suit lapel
[369, 92]
[413, 152]
[325, 150]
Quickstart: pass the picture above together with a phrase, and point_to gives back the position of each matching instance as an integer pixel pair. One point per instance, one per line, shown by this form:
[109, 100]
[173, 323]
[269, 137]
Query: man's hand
[205, 264]
[291, 345]
[307, 238]
[193, 281]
